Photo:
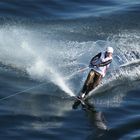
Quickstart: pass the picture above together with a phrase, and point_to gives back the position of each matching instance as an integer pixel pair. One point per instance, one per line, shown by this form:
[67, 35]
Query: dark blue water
[43, 44]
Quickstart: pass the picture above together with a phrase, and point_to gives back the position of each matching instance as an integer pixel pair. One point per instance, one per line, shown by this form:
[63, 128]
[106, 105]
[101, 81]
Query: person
[99, 65]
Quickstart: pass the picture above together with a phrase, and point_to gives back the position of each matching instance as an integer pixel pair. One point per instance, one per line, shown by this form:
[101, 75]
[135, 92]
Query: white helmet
[109, 49]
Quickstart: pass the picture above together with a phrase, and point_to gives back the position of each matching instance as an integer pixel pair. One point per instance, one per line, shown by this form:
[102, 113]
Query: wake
[114, 88]
[59, 61]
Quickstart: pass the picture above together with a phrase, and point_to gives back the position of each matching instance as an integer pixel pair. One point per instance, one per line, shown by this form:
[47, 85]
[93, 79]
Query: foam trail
[20, 49]
[30, 50]
[41, 69]
[62, 84]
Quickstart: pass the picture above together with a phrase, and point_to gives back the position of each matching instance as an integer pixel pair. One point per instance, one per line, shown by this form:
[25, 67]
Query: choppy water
[43, 45]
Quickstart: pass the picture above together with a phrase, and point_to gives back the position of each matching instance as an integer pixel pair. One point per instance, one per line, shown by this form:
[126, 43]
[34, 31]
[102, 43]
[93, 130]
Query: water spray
[60, 83]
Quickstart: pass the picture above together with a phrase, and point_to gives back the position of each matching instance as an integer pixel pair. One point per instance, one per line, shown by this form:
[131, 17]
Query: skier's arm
[105, 63]
[91, 64]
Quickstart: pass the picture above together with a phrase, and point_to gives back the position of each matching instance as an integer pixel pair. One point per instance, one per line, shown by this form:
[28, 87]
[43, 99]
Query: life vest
[100, 63]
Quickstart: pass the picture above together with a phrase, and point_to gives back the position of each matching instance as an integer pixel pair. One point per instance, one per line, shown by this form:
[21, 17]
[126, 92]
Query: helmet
[109, 49]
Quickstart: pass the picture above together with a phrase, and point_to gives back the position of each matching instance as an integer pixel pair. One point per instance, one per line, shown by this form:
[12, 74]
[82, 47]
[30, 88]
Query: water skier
[99, 65]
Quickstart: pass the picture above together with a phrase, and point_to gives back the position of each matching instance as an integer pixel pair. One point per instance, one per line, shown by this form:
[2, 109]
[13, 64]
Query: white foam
[20, 50]
[45, 58]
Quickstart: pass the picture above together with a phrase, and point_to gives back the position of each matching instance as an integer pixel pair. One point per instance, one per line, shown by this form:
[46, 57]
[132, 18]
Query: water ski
[78, 101]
